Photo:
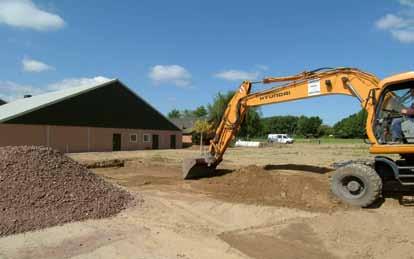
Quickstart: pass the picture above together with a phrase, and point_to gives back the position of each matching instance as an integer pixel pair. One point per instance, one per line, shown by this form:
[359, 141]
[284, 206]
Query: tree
[200, 112]
[325, 130]
[352, 126]
[309, 126]
[279, 124]
[217, 108]
[250, 127]
[174, 114]
[186, 113]
[202, 127]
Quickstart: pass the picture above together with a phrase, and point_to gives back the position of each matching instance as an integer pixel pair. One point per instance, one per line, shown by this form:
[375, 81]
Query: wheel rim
[352, 187]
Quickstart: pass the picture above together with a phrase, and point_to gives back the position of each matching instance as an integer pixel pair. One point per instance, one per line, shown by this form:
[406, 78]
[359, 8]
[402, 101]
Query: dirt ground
[271, 202]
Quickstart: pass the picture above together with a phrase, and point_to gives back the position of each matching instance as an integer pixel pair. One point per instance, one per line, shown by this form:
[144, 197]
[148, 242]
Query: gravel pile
[40, 187]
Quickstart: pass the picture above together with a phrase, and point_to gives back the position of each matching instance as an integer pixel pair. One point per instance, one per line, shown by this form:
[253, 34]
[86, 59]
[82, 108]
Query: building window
[147, 138]
[133, 138]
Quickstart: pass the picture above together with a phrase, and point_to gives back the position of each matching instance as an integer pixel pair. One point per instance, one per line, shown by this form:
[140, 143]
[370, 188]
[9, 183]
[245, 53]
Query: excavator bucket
[194, 168]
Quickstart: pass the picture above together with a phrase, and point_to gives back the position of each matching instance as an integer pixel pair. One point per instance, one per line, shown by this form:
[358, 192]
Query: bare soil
[272, 202]
[289, 186]
[307, 190]
[295, 241]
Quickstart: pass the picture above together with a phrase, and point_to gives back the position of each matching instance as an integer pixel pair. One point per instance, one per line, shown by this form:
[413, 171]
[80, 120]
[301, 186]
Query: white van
[280, 138]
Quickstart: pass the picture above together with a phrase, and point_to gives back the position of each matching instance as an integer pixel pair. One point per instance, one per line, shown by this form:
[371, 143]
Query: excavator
[389, 127]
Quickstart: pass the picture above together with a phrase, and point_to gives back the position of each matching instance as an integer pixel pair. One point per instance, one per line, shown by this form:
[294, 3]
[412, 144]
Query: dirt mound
[40, 187]
[104, 163]
[255, 185]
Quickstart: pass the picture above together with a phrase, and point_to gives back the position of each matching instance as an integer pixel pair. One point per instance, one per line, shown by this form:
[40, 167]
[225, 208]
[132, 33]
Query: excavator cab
[360, 182]
[394, 123]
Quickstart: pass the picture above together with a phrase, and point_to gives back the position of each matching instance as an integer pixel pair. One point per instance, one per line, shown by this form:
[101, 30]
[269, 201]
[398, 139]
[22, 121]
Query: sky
[180, 54]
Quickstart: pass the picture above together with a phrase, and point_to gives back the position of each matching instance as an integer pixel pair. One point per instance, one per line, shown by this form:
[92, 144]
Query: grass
[330, 141]
[324, 140]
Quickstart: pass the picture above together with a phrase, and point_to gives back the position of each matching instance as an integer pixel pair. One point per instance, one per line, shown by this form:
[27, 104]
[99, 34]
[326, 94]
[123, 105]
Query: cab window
[390, 121]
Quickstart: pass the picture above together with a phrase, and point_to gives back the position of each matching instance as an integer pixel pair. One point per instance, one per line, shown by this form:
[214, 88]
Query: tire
[356, 184]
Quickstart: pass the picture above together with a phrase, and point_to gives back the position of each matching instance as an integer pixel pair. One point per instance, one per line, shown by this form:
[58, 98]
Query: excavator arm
[345, 81]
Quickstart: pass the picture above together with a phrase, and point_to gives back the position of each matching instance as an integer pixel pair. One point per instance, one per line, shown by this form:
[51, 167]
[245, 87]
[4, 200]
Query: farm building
[186, 126]
[105, 117]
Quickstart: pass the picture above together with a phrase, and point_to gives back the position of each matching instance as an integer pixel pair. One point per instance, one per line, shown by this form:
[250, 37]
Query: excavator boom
[321, 82]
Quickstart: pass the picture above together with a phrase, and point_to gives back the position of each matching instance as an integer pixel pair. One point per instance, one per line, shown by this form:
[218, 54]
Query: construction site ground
[271, 202]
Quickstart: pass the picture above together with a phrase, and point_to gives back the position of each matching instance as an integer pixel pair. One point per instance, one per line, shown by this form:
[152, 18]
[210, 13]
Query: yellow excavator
[389, 126]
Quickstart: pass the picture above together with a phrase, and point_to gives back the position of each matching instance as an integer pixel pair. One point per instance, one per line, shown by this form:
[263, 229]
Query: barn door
[172, 142]
[155, 142]
[116, 142]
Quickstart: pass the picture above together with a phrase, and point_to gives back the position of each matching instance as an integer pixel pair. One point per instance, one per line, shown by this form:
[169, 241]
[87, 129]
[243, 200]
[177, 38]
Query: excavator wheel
[356, 184]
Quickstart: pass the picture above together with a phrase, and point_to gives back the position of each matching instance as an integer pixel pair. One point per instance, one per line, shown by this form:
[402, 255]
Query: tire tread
[375, 182]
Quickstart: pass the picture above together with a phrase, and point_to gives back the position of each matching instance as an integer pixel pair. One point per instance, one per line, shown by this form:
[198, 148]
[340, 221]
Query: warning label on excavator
[314, 87]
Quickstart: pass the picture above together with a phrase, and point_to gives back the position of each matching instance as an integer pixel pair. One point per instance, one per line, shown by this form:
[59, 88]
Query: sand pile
[40, 187]
[255, 185]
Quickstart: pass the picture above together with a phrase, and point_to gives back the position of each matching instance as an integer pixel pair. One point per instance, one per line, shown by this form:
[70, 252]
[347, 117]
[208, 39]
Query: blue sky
[179, 54]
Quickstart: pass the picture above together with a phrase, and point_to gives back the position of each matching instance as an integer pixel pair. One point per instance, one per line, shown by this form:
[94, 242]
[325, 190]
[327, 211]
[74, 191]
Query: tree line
[255, 126]
[352, 126]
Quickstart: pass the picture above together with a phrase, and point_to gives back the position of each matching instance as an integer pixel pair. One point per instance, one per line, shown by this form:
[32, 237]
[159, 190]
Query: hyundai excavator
[386, 102]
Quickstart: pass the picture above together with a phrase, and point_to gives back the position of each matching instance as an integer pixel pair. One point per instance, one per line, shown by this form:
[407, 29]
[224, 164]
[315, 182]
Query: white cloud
[407, 2]
[262, 67]
[174, 74]
[401, 27]
[404, 36]
[31, 65]
[77, 82]
[390, 21]
[25, 14]
[10, 91]
[237, 75]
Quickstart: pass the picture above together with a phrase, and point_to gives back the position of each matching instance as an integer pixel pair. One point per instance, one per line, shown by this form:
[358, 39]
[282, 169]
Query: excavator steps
[403, 170]
[406, 175]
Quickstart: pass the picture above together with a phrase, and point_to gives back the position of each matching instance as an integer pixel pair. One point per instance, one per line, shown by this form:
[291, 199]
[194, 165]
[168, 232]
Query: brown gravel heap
[40, 187]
